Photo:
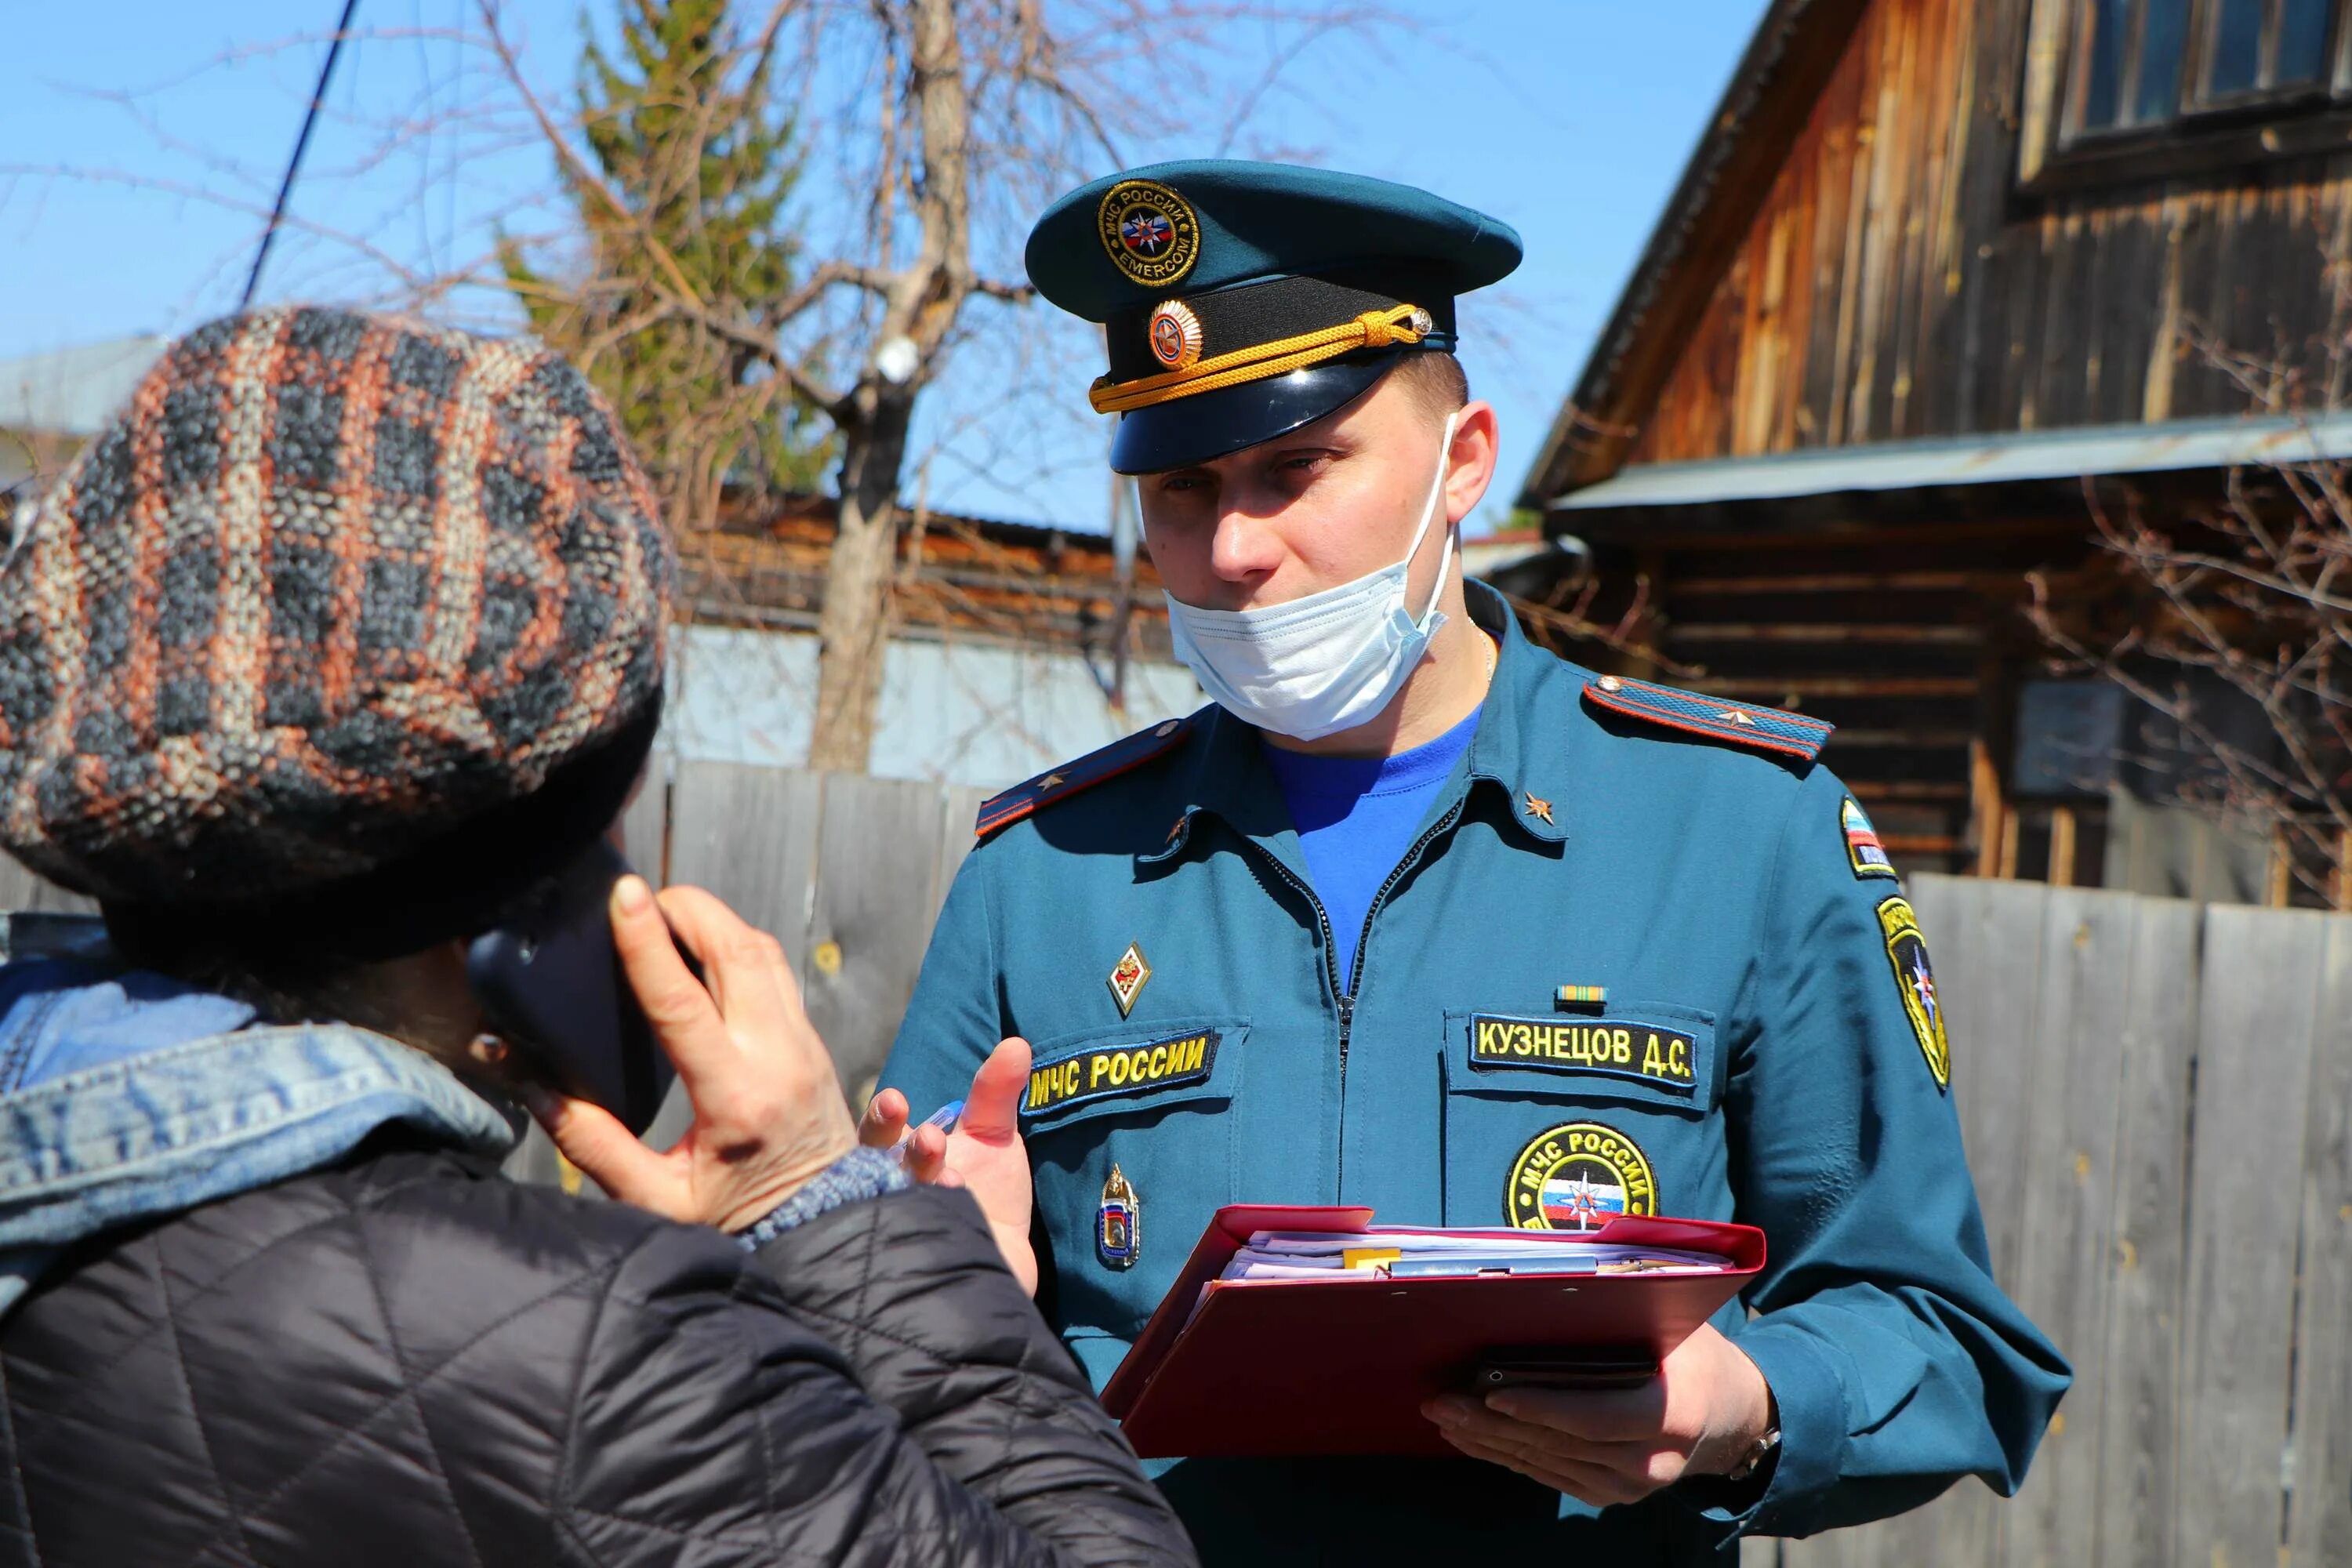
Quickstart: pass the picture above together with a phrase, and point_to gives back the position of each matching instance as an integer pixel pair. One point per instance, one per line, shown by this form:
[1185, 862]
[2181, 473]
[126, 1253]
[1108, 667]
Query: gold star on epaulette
[1052, 781]
[1538, 806]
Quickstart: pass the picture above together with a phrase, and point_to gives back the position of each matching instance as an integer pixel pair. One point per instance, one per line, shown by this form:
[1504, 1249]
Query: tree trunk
[854, 627]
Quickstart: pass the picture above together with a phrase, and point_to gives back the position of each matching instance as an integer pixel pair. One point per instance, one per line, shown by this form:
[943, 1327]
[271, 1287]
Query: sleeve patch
[1862, 850]
[1915, 981]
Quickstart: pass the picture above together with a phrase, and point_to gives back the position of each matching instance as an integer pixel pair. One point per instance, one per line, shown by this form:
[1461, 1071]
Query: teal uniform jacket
[1755, 1060]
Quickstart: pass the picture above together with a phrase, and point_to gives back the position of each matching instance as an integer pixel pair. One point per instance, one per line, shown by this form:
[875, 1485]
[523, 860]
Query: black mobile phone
[1581, 1369]
[550, 979]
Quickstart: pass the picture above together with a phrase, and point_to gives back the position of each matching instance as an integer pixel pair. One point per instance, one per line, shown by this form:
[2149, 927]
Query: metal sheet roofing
[1974, 460]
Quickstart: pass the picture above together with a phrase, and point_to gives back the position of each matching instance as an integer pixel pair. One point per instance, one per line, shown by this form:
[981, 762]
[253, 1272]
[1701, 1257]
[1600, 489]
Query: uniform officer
[1417, 916]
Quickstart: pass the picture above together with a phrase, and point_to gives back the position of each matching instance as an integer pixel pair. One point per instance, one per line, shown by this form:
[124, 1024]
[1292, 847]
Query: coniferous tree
[686, 152]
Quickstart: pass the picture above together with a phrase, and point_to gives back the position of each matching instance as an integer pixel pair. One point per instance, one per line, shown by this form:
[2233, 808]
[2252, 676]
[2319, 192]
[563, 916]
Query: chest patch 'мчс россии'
[1104, 1071]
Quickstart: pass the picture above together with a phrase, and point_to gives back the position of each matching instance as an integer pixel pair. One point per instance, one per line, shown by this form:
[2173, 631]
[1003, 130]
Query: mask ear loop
[1429, 511]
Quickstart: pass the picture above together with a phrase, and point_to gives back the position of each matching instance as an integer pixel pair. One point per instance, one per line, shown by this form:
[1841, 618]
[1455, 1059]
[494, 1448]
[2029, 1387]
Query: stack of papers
[1443, 1255]
[1306, 1329]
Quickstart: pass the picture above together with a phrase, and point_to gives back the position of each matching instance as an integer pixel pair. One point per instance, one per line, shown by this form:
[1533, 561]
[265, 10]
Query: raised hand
[768, 1110]
[984, 1155]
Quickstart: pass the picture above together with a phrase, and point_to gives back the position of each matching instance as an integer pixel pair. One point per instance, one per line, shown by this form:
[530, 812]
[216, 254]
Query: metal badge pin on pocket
[1119, 1223]
[945, 1119]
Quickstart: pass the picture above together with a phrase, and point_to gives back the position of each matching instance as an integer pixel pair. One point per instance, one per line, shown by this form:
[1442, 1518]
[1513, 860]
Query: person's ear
[1470, 460]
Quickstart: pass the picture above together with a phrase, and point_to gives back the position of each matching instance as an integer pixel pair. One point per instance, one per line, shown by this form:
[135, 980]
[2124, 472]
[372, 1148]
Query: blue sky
[1569, 119]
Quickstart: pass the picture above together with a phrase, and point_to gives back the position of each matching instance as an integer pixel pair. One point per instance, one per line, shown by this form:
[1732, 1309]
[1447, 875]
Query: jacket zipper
[1346, 1000]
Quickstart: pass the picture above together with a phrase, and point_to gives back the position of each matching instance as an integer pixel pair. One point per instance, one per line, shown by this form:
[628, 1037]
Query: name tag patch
[1112, 1071]
[1651, 1053]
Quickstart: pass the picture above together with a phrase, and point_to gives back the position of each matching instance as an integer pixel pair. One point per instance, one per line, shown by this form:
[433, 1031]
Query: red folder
[1343, 1365]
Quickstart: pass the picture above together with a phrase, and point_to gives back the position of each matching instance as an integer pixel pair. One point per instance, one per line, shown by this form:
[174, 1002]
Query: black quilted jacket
[405, 1360]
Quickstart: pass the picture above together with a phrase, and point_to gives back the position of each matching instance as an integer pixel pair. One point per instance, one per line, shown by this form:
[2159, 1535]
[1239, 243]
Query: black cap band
[1250, 314]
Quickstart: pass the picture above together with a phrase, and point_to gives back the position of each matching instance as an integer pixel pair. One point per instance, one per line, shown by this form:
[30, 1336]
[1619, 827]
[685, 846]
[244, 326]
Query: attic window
[2136, 87]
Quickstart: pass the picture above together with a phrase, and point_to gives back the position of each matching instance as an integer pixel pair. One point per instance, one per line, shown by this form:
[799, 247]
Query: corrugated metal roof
[1976, 460]
[74, 391]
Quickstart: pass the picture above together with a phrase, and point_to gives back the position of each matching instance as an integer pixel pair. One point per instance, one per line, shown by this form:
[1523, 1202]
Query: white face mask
[1324, 663]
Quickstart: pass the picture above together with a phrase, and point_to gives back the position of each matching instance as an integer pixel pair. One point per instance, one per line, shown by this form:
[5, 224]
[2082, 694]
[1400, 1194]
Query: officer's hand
[1699, 1416]
[984, 1155]
[767, 1111]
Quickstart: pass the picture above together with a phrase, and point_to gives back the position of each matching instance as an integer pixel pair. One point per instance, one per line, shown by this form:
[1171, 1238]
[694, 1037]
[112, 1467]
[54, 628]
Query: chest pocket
[1560, 1120]
[1149, 1100]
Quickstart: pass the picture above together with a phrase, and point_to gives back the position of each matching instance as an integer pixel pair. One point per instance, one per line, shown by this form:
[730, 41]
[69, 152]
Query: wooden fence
[2158, 1102]
[847, 871]
[2155, 1095]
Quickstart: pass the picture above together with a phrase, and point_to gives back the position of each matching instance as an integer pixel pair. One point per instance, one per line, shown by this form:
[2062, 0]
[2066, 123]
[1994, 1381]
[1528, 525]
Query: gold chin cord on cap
[1372, 330]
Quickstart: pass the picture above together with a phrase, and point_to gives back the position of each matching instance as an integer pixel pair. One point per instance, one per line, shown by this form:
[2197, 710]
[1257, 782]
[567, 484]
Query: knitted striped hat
[332, 586]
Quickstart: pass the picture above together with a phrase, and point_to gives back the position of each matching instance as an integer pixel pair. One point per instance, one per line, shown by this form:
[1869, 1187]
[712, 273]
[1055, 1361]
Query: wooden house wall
[958, 578]
[1896, 284]
[1909, 640]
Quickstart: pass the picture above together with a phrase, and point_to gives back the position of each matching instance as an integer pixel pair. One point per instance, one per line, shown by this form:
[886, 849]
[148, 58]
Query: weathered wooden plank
[2057, 373]
[1998, 280]
[2034, 245]
[1880, 231]
[2138, 1358]
[1861, 181]
[2131, 273]
[2319, 1516]
[960, 808]
[1837, 1549]
[2335, 223]
[2088, 976]
[1952, 240]
[645, 824]
[877, 861]
[2255, 1059]
[1820, 376]
[1987, 941]
[1789, 428]
[1926, 81]
[1757, 404]
[745, 833]
[2207, 291]
[749, 835]
[2286, 302]
[20, 889]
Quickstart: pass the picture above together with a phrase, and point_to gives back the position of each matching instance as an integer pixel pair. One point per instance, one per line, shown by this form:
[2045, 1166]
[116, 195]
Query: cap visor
[1196, 429]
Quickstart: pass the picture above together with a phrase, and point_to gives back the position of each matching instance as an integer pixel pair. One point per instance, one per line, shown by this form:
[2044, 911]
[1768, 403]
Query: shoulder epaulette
[1061, 783]
[1762, 728]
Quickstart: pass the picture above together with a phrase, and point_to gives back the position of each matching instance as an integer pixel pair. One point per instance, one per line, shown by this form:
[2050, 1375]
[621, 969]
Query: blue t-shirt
[1355, 815]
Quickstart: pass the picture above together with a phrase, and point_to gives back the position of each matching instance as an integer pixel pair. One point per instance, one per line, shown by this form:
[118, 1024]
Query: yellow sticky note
[1367, 1257]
